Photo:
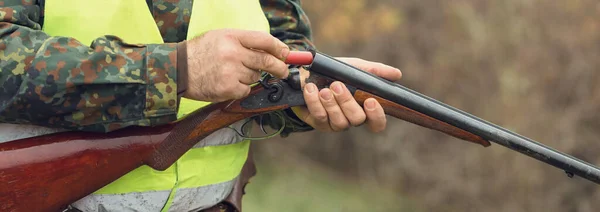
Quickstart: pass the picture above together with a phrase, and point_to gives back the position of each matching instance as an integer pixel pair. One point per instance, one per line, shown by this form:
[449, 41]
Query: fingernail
[311, 88]
[284, 53]
[326, 94]
[370, 104]
[337, 88]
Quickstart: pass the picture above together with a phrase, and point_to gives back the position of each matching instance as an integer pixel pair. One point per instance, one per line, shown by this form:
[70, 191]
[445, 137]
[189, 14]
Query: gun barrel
[335, 69]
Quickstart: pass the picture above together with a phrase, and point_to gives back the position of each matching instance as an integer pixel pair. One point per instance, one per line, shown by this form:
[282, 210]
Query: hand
[335, 109]
[222, 64]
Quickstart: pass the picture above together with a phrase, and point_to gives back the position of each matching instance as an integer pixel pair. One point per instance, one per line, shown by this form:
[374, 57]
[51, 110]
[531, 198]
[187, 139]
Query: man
[135, 74]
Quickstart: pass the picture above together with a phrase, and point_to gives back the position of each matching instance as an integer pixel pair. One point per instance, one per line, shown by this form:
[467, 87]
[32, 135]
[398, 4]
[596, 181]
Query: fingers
[241, 91]
[316, 116]
[337, 119]
[249, 76]
[376, 120]
[335, 109]
[257, 60]
[263, 41]
[353, 112]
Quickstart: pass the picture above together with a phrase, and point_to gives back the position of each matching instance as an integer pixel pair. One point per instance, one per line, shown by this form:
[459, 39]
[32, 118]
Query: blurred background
[528, 65]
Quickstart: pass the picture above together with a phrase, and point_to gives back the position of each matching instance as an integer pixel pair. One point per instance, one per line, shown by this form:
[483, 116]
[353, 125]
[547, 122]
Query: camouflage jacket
[49, 81]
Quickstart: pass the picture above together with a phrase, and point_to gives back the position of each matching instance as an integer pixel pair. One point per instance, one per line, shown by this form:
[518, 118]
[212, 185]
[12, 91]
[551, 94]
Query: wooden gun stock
[47, 173]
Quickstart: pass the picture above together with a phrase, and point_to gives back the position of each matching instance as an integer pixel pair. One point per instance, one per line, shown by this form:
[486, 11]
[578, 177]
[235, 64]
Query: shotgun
[47, 173]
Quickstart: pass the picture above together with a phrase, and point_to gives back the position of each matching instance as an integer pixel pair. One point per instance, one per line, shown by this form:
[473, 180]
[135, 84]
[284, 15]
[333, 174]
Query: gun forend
[407, 114]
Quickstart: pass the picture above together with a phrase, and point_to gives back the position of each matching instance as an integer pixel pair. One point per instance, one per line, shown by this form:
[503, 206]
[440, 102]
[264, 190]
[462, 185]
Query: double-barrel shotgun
[47, 173]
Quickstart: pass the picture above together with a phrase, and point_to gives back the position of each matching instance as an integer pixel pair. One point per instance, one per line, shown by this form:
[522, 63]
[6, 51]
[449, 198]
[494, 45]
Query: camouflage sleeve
[59, 82]
[290, 24]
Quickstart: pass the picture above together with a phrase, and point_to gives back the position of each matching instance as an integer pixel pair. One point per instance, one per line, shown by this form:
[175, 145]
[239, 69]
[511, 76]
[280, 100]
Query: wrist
[182, 69]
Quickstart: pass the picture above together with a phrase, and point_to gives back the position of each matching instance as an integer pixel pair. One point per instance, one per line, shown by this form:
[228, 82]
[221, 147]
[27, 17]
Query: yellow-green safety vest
[205, 175]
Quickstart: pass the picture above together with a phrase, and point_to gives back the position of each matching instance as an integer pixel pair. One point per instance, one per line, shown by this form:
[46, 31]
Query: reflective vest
[205, 175]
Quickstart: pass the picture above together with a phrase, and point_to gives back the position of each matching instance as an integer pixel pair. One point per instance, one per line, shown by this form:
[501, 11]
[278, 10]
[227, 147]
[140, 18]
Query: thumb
[264, 42]
[379, 69]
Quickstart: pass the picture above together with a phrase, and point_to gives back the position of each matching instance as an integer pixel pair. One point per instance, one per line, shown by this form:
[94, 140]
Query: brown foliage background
[528, 65]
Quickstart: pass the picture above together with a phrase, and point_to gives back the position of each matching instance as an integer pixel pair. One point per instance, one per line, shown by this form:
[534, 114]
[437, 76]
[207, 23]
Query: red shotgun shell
[299, 58]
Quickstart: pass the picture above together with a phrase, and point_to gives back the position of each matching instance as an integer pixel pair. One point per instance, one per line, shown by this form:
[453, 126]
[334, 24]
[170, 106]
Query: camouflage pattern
[289, 23]
[60, 82]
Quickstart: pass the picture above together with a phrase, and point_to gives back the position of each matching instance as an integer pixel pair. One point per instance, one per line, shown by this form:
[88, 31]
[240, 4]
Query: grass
[306, 188]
